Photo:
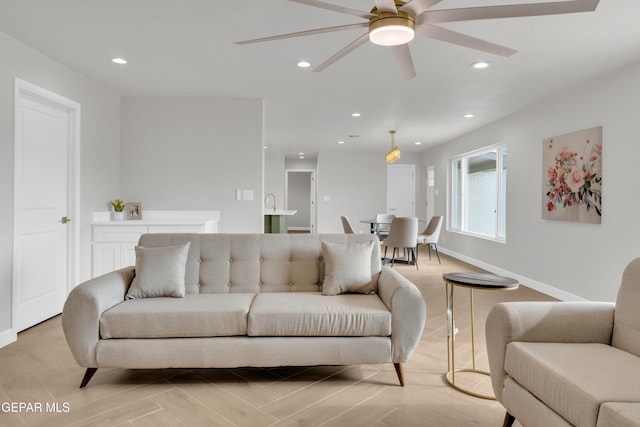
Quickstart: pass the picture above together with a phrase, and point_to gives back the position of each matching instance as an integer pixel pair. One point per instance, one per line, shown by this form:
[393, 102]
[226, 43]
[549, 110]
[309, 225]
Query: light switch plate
[247, 195]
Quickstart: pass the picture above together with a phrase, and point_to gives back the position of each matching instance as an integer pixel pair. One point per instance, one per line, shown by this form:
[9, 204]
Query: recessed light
[340, 142]
[300, 154]
[480, 65]
[355, 115]
[301, 157]
[418, 143]
[119, 61]
[469, 115]
[303, 64]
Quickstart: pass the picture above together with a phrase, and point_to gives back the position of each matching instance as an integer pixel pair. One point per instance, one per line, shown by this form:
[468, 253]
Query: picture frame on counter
[133, 210]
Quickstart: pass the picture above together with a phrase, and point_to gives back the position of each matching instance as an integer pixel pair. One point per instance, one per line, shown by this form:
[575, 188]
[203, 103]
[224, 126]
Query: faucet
[274, 200]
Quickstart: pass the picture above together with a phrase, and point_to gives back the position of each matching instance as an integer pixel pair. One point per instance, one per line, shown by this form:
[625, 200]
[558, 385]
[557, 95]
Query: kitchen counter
[275, 221]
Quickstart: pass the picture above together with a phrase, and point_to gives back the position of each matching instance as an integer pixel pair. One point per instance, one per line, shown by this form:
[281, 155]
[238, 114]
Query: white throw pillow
[159, 272]
[347, 268]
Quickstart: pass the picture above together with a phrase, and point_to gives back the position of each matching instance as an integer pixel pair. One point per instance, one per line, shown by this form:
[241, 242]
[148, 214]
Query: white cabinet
[113, 242]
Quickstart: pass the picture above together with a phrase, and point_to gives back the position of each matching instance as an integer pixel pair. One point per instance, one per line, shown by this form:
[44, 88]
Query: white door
[431, 186]
[45, 137]
[401, 194]
[300, 195]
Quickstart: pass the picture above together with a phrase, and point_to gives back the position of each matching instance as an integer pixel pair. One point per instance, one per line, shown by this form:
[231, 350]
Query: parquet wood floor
[39, 369]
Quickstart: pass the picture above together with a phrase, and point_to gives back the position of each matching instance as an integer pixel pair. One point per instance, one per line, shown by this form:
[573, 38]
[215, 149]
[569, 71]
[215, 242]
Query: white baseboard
[299, 228]
[7, 337]
[529, 283]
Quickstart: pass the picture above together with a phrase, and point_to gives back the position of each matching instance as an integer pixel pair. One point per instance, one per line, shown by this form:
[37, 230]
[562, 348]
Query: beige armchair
[568, 363]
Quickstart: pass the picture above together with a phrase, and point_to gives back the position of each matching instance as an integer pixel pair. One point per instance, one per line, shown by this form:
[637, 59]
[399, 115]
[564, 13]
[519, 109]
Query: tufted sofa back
[232, 263]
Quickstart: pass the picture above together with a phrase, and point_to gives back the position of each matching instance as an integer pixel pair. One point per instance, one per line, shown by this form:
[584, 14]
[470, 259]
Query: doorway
[401, 193]
[300, 195]
[46, 203]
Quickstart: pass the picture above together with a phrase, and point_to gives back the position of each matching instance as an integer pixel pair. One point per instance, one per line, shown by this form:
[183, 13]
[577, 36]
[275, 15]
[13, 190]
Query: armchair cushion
[619, 414]
[575, 379]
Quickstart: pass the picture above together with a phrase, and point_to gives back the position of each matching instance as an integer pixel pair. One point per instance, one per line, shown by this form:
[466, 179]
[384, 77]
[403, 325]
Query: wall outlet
[238, 194]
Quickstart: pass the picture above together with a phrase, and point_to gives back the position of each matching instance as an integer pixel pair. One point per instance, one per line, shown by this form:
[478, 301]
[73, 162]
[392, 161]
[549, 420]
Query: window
[477, 198]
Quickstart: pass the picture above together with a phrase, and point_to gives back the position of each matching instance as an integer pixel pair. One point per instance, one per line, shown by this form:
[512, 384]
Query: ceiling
[185, 48]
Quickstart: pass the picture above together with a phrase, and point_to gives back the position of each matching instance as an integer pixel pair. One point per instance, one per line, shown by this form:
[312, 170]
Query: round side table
[472, 281]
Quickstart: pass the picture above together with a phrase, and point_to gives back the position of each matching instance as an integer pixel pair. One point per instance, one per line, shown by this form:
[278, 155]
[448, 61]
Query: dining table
[375, 224]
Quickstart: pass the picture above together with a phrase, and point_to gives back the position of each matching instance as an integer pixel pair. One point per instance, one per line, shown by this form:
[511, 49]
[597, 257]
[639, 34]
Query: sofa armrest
[408, 312]
[84, 307]
[559, 322]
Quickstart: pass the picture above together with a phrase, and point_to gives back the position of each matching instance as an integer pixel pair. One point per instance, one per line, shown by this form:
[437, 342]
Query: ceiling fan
[394, 23]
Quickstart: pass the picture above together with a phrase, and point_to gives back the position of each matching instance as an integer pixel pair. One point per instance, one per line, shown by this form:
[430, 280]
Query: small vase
[117, 216]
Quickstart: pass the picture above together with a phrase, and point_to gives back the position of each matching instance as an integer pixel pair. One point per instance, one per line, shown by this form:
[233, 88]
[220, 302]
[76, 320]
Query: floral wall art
[572, 177]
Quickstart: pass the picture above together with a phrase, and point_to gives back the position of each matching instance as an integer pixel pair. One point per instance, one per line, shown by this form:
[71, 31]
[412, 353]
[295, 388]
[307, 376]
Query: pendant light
[394, 153]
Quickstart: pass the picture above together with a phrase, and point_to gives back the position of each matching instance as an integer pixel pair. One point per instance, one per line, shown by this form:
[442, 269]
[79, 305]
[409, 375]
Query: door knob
[65, 220]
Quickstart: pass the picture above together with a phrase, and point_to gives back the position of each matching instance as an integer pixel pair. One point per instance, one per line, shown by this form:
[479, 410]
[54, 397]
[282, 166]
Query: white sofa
[247, 300]
[569, 363]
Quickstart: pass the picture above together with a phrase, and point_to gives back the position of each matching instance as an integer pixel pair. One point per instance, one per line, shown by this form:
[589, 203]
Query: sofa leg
[87, 377]
[508, 420]
[399, 372]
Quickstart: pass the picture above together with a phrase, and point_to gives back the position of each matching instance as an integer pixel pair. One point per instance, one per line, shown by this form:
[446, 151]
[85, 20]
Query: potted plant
[118, 209]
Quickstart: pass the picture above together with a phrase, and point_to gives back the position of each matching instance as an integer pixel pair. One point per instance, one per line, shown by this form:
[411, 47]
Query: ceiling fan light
[393, 155]
[391, 35]
[390, 29]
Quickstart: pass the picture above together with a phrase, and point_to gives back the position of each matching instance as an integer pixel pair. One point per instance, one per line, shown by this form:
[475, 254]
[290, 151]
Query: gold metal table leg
[450, 376]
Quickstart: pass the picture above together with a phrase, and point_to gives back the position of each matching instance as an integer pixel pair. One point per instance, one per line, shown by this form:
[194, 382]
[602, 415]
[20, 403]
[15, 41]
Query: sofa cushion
[574, 379]
[347, 268]
[211, 315]
[312, 314]
[159, 272]
[619, 414]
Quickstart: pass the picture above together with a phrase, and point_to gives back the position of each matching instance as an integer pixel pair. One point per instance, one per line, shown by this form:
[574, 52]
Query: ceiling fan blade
[460, 39]
[403, 58]
[335, 8]
[386, 6]
[417, 7]
[350, 48]
[510, 11]
[305, 33]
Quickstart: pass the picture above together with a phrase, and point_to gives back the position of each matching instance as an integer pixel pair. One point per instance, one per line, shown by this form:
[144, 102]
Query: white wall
[193, 154]
[575, 260]
[356, 183]
[99, 148]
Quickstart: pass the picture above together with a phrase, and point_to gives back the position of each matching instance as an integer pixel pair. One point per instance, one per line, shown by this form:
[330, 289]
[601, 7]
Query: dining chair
[384, 224]
[431, 235]
[346, 225]
[403, 234]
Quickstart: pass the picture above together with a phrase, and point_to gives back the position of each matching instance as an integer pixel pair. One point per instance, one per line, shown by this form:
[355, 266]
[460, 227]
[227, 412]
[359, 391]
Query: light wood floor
[39, 369]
